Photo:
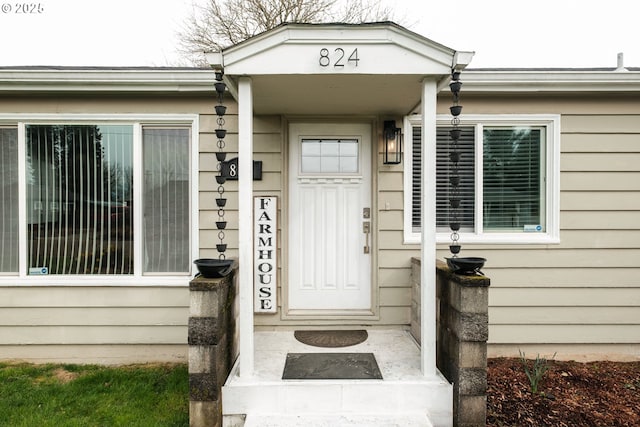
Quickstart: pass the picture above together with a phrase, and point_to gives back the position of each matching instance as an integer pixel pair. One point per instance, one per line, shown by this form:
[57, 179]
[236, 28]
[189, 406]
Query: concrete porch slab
[403, 389]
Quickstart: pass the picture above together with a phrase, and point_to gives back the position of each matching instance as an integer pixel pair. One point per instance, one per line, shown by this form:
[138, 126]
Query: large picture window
[508, 173]
[107, 199]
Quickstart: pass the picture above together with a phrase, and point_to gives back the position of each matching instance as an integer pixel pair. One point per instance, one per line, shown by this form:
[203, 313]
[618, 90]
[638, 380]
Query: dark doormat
[331, 366]
[331, 338]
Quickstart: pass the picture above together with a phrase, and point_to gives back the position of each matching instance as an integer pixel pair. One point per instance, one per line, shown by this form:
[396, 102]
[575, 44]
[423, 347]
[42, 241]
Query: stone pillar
[462, 323]
[463, 331]
[212, 346]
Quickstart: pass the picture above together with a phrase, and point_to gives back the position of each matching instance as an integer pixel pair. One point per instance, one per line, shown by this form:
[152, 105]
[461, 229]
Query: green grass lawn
[88, 395]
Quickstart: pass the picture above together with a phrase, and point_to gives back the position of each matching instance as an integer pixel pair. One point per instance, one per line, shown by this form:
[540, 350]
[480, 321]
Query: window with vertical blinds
[9, 199]
[79, 192]
[166, 199]
[466, 172]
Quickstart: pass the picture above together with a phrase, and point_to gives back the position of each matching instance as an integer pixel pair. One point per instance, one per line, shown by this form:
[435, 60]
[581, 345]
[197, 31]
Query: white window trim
[552, 124]
[137, 121]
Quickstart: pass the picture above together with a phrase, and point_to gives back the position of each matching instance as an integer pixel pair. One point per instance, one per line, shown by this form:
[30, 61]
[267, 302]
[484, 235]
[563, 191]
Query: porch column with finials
[245, 223]
[428, 227]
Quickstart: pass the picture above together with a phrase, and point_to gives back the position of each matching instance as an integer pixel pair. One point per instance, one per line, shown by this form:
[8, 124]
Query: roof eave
[550, 81]
[106, 80]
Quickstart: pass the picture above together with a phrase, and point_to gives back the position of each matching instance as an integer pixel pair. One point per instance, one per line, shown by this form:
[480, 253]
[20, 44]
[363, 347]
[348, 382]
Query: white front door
[329, 205]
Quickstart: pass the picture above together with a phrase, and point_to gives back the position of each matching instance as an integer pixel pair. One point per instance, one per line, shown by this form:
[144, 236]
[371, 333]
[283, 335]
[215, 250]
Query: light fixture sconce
[392, 143]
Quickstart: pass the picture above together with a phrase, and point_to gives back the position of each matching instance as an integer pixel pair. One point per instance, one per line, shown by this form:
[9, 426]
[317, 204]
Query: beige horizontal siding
[64, 335]
[599, 201]
[94, 296]
[97, 323]
[103, 354]
[574, 258]
[601, 123]
[584, 291]
[601, 181]
[566, 315]
[568, 277]
[600, 220]
[604, 143]
[563, 334]
[564, 297]
[600, 162]
[95, 316]
[393, 257]
[395, 296]
[394, 277]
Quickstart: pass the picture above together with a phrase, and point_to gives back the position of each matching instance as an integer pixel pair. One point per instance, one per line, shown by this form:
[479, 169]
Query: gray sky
[503, 33]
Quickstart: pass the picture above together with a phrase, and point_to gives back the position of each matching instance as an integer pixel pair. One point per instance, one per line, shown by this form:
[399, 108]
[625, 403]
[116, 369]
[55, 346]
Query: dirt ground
[570, 394]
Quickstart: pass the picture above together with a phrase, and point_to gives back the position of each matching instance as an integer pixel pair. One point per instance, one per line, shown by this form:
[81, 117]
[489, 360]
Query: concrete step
[296, 400]
[349, 420]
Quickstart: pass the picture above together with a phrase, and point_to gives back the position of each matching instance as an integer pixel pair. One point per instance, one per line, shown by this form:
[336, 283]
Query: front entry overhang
[339, 70]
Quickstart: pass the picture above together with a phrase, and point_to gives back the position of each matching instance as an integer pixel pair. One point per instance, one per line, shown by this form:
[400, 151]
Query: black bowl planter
[221, 179]
[221, 156]
[466, 265]
[455, 110]
[221, 133]
[221, 202]
[221, 225]
[214, 268]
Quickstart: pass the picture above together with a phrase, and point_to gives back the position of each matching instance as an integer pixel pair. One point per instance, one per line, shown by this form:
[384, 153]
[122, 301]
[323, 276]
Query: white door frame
[334, 129]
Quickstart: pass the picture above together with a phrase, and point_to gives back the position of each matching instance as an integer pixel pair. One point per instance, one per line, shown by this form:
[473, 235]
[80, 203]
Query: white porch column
[245, 223]
[428, 227]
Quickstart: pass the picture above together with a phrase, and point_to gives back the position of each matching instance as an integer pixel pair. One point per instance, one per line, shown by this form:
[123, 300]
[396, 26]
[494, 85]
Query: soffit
[336, 95]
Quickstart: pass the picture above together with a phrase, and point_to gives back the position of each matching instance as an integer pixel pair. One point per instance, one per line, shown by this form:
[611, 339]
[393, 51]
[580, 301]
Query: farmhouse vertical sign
[265, 260]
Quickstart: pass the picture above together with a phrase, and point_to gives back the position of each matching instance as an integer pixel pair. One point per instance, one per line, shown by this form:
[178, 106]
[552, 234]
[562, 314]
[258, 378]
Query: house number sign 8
[338, 58]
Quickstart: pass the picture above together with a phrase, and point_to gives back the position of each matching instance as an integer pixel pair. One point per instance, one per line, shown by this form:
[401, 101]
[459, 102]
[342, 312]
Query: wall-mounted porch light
[392, 143]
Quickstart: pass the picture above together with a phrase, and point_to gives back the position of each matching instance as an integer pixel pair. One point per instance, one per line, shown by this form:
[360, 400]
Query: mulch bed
[570, 394]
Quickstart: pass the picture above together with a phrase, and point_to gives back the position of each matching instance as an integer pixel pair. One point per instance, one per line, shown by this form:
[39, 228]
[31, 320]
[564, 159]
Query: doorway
[330, 228]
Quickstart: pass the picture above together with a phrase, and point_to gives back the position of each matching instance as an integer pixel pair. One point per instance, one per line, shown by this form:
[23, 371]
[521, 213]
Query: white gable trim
[382, 48]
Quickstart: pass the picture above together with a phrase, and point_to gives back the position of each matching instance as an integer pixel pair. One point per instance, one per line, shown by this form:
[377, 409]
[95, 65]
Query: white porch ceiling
[339, 95]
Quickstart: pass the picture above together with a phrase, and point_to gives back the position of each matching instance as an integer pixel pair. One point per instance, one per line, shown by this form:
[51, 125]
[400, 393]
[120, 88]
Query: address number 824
[339, 58]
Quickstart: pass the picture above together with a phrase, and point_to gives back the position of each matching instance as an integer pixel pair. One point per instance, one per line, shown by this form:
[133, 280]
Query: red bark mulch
[570, 394]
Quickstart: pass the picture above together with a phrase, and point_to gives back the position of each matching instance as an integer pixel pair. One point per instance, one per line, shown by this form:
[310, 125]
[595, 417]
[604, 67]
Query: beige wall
[581, 296]
[97, 324]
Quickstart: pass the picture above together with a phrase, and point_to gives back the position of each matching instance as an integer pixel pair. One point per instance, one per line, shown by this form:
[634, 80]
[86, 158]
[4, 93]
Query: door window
[332, 156]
